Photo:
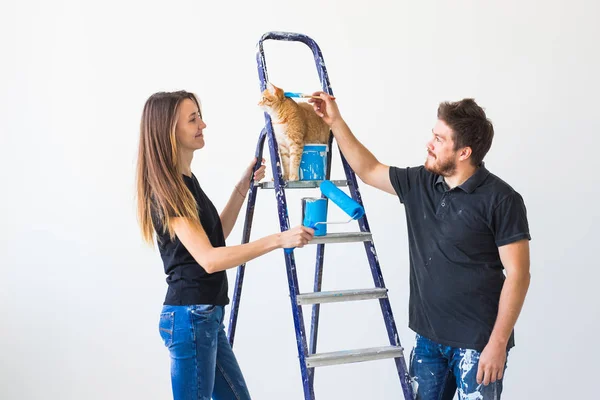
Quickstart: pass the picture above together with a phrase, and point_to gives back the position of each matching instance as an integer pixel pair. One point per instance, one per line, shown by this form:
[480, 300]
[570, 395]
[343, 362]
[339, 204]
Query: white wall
[80, 293]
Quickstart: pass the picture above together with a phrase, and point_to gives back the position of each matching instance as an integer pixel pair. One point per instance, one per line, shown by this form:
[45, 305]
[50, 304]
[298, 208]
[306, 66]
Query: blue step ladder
[308, 356]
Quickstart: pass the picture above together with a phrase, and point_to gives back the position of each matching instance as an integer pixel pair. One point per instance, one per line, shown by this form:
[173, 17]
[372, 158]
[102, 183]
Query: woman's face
[188, 130]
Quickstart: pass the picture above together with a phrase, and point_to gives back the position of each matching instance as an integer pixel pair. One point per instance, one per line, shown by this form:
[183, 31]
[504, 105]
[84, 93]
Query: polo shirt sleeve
[403, 180]
[509, 220]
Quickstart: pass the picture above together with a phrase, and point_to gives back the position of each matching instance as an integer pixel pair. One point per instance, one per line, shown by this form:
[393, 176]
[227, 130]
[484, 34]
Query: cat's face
[271, 97]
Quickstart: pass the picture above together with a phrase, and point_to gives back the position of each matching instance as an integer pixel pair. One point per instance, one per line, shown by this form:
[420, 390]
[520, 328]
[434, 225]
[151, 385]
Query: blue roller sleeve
[342, 200]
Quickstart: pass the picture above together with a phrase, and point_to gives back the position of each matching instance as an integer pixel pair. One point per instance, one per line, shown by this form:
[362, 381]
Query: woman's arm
[214, 259]
[232, 209]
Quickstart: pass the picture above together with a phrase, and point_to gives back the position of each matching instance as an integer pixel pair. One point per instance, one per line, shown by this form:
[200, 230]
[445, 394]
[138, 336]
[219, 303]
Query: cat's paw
[293, 177]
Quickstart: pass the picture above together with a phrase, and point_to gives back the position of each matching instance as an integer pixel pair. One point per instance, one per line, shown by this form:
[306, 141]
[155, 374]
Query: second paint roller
[314, 211]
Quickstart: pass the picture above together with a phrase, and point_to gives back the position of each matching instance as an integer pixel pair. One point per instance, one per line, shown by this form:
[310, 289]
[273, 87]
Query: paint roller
[342, 200]
[302, 95]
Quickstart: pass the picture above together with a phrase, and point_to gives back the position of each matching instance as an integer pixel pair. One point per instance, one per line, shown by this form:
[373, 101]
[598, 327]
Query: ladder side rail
[239, 280]
[285, 225]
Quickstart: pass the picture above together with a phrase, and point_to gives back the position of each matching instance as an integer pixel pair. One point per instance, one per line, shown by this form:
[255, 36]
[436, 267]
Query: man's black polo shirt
[455, 270]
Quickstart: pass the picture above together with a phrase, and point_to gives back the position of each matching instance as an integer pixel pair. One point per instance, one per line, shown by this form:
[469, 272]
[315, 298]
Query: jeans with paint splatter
[437, 371]
[203, 365]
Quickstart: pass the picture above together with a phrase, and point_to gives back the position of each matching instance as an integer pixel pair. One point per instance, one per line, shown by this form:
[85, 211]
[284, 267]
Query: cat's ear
[271, 88]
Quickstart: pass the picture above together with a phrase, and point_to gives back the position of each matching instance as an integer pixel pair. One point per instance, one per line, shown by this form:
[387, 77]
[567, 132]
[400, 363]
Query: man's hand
[491, 363]
[326, 108]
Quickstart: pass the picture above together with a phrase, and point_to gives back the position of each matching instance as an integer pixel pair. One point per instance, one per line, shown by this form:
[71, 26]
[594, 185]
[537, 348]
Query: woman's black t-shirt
[188, 282]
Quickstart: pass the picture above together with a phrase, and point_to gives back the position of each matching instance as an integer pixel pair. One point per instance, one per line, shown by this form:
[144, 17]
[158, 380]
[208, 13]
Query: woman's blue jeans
[203, 365]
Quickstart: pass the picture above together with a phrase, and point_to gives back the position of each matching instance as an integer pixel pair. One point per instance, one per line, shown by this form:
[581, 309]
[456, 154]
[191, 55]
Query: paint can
[313, 165]
[315, 210]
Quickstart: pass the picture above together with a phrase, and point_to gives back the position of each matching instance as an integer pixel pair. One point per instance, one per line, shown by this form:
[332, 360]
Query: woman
[191, 239]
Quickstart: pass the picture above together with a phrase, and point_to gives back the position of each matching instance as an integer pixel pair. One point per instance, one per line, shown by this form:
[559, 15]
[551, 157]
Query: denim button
[443, 204]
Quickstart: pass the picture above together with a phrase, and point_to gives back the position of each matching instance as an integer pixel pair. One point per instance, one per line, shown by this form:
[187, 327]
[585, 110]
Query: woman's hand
[296, 237]
[244, 184]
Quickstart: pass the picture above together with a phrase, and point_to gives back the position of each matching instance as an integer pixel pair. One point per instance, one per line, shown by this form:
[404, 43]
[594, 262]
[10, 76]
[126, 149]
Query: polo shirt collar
[470, 184]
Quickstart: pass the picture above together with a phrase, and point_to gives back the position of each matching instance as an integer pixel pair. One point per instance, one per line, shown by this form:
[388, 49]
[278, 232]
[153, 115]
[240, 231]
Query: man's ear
[465, 153]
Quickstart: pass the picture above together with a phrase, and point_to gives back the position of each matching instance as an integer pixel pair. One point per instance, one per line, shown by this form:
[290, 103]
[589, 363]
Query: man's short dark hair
[470, 125]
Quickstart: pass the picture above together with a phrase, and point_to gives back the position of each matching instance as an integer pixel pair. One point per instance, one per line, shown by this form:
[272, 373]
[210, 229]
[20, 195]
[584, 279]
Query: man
[465, 227]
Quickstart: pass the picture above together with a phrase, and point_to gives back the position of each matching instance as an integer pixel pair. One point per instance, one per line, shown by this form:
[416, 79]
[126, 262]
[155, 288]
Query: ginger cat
[294, 125]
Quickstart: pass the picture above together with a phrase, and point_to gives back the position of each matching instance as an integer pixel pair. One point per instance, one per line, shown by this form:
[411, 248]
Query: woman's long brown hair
[160, 186]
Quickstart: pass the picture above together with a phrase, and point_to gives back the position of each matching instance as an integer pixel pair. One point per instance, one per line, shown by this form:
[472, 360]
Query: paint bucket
[313, 164]
[315, 210]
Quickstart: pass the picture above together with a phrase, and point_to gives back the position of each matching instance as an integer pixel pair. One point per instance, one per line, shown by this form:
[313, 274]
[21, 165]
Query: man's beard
[446, 168]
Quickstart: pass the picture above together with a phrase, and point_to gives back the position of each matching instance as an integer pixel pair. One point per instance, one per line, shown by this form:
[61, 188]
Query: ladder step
[343, 237]
[341, 295]
[298, 184]
[353, 356]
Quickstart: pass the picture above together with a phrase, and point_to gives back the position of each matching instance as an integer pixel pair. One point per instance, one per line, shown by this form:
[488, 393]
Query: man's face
[441, 156]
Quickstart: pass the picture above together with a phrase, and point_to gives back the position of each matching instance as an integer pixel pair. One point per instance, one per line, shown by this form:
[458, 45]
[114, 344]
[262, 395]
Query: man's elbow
[523, 277]
[378, 177]
[366, 178]
[369, 175]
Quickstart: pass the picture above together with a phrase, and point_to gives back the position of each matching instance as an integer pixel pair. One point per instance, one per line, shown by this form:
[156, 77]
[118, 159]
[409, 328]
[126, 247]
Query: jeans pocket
[203, 309]
[165, 327]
